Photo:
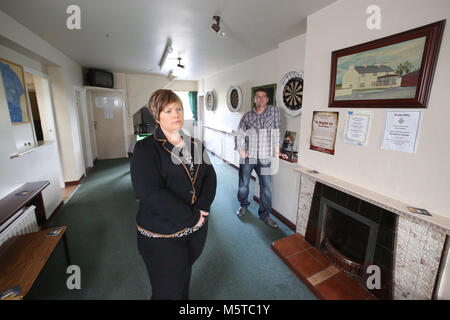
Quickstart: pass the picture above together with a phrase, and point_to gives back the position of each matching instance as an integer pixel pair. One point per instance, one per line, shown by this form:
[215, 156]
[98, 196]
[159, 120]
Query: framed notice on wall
[401, 131]
[357, 127]
[323, 131]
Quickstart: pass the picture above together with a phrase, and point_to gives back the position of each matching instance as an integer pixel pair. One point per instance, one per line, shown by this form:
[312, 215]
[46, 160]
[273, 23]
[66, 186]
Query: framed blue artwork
[14, 84]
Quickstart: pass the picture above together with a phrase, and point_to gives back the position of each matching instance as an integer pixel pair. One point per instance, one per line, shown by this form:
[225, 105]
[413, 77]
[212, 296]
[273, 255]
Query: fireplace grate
[343, 263]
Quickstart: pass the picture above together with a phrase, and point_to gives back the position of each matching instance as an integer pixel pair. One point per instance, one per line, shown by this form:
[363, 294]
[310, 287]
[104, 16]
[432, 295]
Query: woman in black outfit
[175, 183]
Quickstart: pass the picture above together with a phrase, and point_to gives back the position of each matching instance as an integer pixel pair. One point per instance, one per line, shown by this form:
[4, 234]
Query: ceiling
[130, 36]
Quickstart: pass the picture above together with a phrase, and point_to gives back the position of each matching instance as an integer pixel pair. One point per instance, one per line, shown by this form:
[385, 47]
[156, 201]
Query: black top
[170, 196]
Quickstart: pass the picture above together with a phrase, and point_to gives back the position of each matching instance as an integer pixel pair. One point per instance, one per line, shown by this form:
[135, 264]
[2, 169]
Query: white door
[108, 112]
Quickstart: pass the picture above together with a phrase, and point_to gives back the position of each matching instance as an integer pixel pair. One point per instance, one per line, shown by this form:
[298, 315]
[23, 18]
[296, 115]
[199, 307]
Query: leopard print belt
[178, 234]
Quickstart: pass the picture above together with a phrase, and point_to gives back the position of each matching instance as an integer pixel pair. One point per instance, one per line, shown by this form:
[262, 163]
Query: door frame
[52, 119]
[86, 144]
[91, 91]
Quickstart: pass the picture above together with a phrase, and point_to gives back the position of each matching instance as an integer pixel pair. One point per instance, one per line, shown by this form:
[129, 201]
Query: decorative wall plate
[234, 98]
[210, 101]
[290, 93]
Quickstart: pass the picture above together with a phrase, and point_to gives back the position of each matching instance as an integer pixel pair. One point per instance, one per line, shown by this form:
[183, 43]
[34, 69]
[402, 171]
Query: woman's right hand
[202, 219]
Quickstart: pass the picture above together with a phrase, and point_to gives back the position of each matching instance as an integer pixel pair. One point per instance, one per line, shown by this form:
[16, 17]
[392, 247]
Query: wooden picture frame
[392, 72]
[15, 90]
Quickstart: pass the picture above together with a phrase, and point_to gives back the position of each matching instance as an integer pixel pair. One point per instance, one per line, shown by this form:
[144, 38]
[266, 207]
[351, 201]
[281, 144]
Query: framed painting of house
[392, 72]
[14, 84]
[271, 91]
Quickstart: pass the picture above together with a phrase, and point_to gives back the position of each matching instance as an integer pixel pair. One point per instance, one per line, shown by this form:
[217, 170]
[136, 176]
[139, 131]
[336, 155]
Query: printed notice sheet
[357, 127]
[323, 131]
[400, 132]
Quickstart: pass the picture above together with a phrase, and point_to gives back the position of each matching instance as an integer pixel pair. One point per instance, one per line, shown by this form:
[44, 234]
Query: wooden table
[23, 257]
[28, 194]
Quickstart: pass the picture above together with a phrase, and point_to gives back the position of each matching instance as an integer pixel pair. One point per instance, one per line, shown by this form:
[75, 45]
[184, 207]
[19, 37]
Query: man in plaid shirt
[258, 139]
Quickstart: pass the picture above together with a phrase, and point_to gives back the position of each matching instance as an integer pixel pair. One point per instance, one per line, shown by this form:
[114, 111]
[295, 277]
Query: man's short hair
[262, 90]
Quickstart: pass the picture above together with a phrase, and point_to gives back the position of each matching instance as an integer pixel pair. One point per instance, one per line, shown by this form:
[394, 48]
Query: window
[184, 96]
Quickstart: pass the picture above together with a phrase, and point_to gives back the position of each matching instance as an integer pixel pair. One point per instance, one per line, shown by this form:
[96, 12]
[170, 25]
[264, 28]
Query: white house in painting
[370, 77]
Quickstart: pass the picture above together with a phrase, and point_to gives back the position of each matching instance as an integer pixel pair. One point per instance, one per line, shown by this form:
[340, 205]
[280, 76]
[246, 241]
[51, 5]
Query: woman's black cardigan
[169, 197]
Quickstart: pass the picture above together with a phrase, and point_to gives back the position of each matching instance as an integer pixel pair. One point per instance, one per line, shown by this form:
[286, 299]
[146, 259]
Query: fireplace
[353, 234]
[347, 238]
[410, 249]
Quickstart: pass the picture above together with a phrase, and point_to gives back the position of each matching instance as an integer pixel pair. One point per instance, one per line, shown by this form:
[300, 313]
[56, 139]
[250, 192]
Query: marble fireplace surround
[420, 241]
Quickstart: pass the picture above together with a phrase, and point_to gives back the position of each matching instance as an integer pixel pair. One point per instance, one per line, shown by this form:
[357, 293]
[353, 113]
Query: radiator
[22, 222]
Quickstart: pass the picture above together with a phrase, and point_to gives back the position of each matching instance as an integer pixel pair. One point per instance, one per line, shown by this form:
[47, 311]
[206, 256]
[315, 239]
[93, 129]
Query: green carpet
[237, 262]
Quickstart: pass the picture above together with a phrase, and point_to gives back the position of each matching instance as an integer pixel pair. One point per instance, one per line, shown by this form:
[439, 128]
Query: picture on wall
[392, 72]
[323, 131]
[14, 84]
[271, 91]
[287, 147]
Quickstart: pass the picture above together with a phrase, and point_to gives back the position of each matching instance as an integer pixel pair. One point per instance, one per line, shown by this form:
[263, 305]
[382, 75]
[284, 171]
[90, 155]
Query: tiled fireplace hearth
[356, 228]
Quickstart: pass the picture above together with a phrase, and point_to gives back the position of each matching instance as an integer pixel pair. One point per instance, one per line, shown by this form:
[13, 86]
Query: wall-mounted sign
[323, 131]
[400, 131]
[357, 127]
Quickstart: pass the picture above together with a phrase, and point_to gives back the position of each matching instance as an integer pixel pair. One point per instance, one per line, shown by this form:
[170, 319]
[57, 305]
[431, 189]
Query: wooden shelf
[16, 200]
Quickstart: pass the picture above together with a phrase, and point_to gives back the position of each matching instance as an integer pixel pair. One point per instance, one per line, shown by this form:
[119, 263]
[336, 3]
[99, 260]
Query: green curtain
[193, 103]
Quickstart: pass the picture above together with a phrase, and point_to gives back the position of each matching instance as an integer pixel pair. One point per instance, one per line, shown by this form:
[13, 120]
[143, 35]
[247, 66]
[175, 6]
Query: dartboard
[293, 93]
[290, 93]
[209, 101]
[234, 98]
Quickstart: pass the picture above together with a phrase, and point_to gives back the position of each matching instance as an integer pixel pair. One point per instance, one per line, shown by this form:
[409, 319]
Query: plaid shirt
[261, 131]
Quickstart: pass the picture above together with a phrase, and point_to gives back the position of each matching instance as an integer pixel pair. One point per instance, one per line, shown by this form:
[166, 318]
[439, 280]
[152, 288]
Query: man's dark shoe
[270, 222]
[241, 211]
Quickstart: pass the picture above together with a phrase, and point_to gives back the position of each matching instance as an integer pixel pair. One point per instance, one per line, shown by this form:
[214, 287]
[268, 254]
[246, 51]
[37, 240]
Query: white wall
[40, 164]
[421, 179]
[138, 88]
[67, 76]
[261, 70]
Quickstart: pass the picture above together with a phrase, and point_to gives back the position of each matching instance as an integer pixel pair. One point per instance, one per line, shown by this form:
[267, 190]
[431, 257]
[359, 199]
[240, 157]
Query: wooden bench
[23, 257]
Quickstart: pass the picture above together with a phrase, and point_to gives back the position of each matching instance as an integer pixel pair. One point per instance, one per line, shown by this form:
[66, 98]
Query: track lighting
[179, 63]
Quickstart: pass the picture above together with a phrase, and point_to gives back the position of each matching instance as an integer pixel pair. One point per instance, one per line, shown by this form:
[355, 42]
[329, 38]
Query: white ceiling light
[168, 49]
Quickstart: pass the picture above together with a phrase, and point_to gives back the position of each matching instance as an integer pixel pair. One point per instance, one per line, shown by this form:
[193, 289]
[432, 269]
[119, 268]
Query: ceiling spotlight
[216, 27]
[179, 63]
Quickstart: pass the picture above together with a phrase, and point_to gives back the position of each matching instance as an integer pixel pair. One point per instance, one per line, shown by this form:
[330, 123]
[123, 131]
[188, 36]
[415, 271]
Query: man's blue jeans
[262, 169]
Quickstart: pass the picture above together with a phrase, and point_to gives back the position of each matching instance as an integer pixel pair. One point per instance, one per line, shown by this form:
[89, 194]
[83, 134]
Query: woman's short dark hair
[262, 90]
[161, 98]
